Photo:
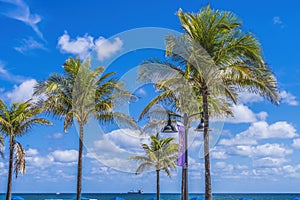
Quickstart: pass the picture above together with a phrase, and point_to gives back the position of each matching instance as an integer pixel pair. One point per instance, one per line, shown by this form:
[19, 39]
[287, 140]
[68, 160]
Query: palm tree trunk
[157, 185]
[79, 169]
[208, 192]
[184, 182]
[10, 168]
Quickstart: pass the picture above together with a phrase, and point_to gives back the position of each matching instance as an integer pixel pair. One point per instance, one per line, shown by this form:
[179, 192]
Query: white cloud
[261, 130]
[269, 162]
[220, 164]
[296, 143]
[288, 98]
[107, 147]
[23, 92]
[106, 49]
[1, 165]
[265, 150]
[129, 140]
[223, 168]
[29, 44]
[65, 155]
[39, 161]
[82, 46]
[32, 152]
[238, 140]
[218, 154]
[19, 10]
[247, 97]
[241, 114]
[55, 158]
[114, 149]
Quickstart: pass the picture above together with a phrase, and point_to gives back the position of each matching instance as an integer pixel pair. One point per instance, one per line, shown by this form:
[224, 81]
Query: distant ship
[140, 191]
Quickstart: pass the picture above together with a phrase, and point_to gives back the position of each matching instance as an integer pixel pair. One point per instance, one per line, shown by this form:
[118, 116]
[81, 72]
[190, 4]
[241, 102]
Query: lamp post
[169, 128]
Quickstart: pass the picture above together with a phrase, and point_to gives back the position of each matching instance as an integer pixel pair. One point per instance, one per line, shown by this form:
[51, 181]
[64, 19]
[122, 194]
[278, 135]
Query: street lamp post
[169, 128]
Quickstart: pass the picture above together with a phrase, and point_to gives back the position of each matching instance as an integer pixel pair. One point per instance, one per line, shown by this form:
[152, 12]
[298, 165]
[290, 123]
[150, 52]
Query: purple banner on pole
[181, 145]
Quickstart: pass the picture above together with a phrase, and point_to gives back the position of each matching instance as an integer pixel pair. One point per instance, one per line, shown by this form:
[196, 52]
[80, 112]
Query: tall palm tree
[160, 155]
[218, 60]
[80, 93]
[15, 121]
[237, 61]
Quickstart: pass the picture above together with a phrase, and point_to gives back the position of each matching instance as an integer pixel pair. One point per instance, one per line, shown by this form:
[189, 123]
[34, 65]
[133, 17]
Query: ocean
[148, 196]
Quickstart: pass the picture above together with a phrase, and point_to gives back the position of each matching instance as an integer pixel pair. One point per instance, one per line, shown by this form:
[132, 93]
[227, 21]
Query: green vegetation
[79, 93]
[217, 60]
[15, 121]
[208, 65]
[160, 155]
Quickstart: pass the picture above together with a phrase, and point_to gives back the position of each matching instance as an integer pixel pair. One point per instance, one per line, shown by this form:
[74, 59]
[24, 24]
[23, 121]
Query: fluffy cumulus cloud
[250, 144]
[82, 46]
[271, 150]
[296, 143]
[243, 114]
[19, 10]
[288, 98]
[55, 158]
[261, 130]
[65, 155]
[40, 161]
[79, 46]
[21, 92]
[105, 48]
[114, 149]
[31, 152]
[127, 139]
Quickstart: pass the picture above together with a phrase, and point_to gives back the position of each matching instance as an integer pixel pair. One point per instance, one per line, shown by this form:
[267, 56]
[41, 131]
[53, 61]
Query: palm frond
[20, 163]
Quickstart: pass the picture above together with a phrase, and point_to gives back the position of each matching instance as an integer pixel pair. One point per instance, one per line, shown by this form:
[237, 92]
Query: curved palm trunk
[10, 168]
[79, 169]
[157, 185]
[208, 192]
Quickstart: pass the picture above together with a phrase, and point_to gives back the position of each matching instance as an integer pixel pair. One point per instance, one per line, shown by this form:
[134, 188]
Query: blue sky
[258, 150]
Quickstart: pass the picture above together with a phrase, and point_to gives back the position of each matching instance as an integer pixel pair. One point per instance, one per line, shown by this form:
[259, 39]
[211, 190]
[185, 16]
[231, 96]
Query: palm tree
[15, 121]
[218, 60]
[160, 155]
[80, 93]
[237, 59]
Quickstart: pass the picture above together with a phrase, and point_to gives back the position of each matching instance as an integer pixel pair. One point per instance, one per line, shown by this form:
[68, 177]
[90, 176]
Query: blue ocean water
[148, 196]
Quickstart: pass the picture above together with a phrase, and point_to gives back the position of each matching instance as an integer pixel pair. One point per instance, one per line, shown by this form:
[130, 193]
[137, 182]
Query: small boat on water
[140, 191]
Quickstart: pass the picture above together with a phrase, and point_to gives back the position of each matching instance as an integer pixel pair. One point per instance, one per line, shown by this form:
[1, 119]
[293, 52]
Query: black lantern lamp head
[200, 127]
[169, 128]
